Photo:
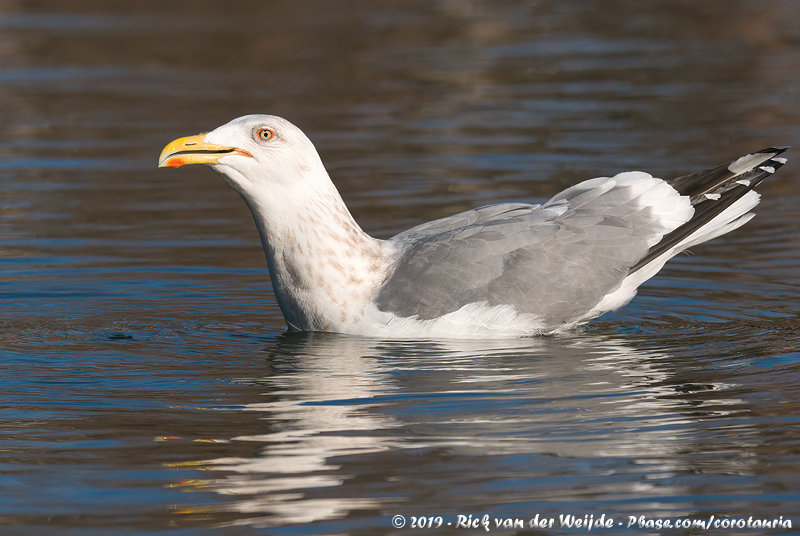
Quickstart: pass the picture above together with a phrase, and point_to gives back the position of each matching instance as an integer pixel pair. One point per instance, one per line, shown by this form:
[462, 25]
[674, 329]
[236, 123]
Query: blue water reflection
[530, 426]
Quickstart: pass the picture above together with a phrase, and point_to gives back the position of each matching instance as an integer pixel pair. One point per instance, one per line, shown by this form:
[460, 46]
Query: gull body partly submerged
[509, 269]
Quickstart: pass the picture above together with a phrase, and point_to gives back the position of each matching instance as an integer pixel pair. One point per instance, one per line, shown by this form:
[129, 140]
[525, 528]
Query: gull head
[256, 154]
[322, 266]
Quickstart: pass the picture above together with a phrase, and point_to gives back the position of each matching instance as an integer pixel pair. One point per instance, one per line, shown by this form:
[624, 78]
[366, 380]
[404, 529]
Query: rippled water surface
[147, 385]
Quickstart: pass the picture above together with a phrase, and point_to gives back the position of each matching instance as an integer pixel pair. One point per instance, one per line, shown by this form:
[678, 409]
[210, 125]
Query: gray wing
[556, 260]
[462, 219]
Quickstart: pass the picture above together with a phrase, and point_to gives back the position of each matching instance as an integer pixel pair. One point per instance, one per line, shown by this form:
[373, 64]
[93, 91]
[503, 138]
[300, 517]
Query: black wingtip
[778, 149]
[713, 190]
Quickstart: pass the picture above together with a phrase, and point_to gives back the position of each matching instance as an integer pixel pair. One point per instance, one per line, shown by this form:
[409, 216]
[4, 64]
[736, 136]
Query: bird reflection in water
[357, 424]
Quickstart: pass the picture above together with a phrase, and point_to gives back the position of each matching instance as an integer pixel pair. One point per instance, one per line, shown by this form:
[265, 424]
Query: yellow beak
[193, 150]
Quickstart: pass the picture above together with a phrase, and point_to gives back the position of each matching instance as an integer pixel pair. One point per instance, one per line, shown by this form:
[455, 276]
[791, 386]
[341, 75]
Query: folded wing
[580, 254]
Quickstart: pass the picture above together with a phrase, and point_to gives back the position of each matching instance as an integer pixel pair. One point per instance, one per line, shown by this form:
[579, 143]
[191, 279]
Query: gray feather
[556, 260]
[559, 260]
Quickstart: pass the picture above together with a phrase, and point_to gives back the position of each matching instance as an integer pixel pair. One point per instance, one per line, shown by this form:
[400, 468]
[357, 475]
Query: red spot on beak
[175, 162]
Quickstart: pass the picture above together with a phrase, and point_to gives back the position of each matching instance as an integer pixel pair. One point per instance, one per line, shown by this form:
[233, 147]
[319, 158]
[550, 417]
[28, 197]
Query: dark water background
[146, 382]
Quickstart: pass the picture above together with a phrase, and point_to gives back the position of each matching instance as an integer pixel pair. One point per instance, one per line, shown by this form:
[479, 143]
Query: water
[148, 386]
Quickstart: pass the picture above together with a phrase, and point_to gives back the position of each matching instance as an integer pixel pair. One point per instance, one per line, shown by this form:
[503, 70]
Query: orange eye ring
[265, 134]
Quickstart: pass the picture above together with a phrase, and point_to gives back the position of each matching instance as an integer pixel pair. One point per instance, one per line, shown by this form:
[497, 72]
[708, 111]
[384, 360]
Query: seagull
[502, 270]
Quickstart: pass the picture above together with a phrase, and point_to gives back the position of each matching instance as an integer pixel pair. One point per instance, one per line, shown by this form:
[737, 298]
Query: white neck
[324, 269]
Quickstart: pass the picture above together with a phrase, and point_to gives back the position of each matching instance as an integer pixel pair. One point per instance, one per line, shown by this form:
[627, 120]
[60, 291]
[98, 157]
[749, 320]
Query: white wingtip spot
[743, 182]
[779, 159]
[768, 169]
[746, 163]
[713, 197]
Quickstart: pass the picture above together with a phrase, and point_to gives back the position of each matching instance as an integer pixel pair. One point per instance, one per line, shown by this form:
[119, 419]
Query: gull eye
[265, 134]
